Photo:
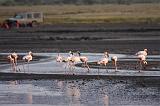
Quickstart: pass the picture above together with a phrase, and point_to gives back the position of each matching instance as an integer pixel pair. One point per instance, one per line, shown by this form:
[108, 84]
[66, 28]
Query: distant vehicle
[26, 19]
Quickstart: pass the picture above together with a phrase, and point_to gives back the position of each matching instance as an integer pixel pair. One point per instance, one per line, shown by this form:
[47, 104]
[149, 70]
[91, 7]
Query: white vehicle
[25, 19]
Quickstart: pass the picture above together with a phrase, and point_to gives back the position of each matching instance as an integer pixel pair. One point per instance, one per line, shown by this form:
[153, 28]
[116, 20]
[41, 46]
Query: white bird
[144, 52]
[68, 60]
[84, 60]
[13, 60]
[15, 56]
[59, 58]
[104, 61]
[114, 60]
[27, 58]
[142, 61]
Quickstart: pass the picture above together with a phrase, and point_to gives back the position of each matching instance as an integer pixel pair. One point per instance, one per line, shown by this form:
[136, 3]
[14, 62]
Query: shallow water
[104, 92]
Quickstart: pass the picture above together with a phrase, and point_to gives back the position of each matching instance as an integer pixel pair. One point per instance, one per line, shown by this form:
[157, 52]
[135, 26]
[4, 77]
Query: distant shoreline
[107, 13]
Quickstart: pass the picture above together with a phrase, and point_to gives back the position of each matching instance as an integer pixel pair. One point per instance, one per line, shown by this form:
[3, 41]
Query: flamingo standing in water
[69, 60]
[144, 52]
[15, 56]
[72, 59]
[142, 57]
[59, 58]
[13, 60]
[27, 58]
[84, 60]
[104, 61]
[142, 61]
[114, 61]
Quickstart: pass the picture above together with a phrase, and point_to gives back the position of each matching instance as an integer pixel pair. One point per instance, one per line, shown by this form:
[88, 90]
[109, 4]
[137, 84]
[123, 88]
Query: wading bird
[15, 56]
[59, 58]
[68, 60]
[142, 61]
[27, 58]
[104, 61]
[142, 58]
[144, 52]
[13, 60]
[84, 60]
[114, 61]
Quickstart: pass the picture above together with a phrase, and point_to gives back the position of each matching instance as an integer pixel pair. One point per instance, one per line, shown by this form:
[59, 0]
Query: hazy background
[78, 2]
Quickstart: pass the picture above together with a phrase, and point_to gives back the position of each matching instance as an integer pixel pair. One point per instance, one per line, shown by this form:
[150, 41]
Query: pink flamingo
[27, 58]
[84, 60]
[142, 61]
[144, 52]
[59, 58]
[13, 60]
[104, 61]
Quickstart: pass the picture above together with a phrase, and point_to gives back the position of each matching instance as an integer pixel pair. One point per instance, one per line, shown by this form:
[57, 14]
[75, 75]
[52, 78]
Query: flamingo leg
[70, 66]
[87, 66]
[73, 67]
[11, 66]
[28, 66]
[67, 64]
[98, 68]
[137, 64]
[14, 67]
[140, 66]
[23, 66]
[115, 63]
[106, 68]
[17, 68]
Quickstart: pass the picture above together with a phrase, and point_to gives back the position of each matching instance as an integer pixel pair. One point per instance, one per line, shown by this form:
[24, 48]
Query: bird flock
[75, 57]
[13, 60]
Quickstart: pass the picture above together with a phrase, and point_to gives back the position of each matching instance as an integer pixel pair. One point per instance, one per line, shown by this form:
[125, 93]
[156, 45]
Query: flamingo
[13, 60]
[15, 56]
[27, 58]
[68, 60]
[114, 60]
[72, 59]
[84, 60]
[104, 61]
[142, 61]
[142, 56]
[59, 58]
[144, 52]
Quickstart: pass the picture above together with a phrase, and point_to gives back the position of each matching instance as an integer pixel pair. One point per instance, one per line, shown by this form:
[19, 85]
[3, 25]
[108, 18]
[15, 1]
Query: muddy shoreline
[116, 38]
[23, 88]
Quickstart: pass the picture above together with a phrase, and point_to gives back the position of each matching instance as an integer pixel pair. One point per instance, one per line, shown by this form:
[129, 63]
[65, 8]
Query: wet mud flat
[116, 91]
[116, 38]
[96, 92]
